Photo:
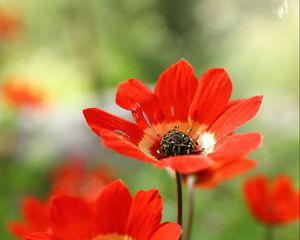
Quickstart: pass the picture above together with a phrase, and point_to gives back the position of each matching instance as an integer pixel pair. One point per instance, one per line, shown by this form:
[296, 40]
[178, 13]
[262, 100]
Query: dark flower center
[176, 143]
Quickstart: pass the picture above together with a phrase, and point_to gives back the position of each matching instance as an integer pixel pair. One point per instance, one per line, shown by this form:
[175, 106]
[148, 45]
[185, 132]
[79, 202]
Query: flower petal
[112, 209]
[167, 231]
[134, 95]
[256, 194]
[123, 146]
[145, 214]
[237, 145]
[175, 90]
[99, 120]
[41, 236]
[71, 218]
[235, 116]
[186, 164]
[230, 170]
[212, 95]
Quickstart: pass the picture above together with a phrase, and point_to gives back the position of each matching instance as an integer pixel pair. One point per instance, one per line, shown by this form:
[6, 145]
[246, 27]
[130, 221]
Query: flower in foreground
[185, 124]
[72, 179]
[116, 216]
[35, 218]
[272, 202]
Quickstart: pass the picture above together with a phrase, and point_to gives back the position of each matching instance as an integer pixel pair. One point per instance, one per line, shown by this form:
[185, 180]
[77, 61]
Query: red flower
[184, 124]
[36, 218]
[10, 24]
[19, 93]
[272, 202]
[75, 179]
[117, 216]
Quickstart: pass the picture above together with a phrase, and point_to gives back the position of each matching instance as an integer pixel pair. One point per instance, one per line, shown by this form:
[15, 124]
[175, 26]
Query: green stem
[191, 197]
[179, 199]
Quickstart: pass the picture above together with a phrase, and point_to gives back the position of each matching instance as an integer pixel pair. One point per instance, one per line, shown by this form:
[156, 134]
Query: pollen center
[176, 143]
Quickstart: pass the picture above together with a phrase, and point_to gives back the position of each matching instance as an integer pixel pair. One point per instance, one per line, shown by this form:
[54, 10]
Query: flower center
[176, 143]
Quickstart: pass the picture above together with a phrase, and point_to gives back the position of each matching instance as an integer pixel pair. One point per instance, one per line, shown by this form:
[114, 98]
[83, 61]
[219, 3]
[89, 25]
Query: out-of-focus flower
[21, 93]
[75, 179]
[36, 218]
[116, 216]
[185, 124]
[10, 24]
[272, 202]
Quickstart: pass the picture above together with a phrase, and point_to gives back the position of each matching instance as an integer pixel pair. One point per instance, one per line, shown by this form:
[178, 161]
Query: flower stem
[190, 187]
[269, 233]
[179, 199]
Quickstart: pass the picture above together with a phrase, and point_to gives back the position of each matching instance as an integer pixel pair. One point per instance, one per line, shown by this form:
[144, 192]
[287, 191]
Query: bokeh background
[74, 53]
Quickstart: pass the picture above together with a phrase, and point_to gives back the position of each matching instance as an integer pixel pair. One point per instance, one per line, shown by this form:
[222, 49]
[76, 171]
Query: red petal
[145, 214]
[213, 93]
[19, 229]
[235, 116]
[285, 200]
[256, 194]
[175, 90]
[186, 164]
[71, 218]
[226, 172]
[36, 218]
[99, 120]
[41, 236]
[167, 231]
[133, 95]
[112, 209]
[121, 145]
[237, 145]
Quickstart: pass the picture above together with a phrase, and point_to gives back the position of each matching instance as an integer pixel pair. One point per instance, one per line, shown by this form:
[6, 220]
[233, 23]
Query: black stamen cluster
[175, 143]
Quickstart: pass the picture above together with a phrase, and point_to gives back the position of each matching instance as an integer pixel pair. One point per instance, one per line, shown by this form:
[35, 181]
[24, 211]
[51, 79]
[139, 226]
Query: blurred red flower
[75, 179]
[10, 24]
[116, 216]
[272, 202]
[36, 218]
[185, 124]
[20, 93]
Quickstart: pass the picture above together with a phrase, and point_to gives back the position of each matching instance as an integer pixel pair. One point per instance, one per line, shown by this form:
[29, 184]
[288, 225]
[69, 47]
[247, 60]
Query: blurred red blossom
[76, 179]
[272, 202]
[21, 93]
[186, 124]
[10, 24]
[117, 215]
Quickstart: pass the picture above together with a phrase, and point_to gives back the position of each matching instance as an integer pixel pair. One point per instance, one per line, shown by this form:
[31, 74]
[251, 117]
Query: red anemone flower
[75, 179]
[182, 124]
[272, 202]
[36, 218]
[20, 93]
[116, 216]
[10, 24]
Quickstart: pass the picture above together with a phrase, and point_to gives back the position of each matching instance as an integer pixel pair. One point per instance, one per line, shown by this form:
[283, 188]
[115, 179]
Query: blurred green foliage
[79, 50]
